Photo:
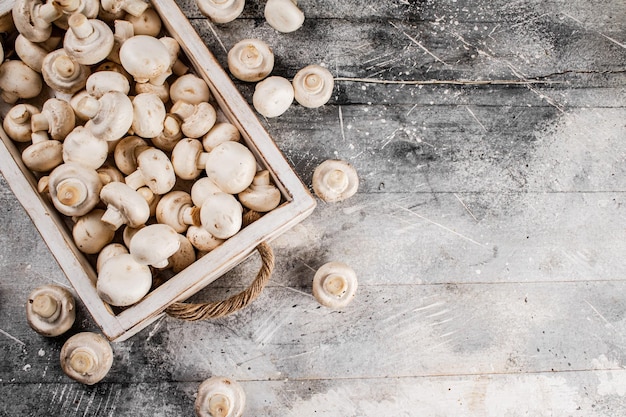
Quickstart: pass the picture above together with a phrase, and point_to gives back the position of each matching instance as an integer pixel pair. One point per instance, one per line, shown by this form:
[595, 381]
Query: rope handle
[212, 310]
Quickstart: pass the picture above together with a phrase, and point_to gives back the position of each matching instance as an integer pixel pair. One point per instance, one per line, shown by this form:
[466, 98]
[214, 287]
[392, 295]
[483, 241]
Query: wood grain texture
[487, 233]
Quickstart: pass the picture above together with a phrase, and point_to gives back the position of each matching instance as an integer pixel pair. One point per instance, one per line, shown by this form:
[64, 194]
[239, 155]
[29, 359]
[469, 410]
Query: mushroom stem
[335, 284]
[83, 360]
[65, 66]
[250, 56]
[45, 306]
[20, 114]
[39, 137]
[337, 180]
[68, 6]
[48, 12]
[80, 25]
[190, 215]
[135, 180]
[39, 122]
[71, 192]
[219, 405]
[89, 106]
[113, 217]
[314, 83]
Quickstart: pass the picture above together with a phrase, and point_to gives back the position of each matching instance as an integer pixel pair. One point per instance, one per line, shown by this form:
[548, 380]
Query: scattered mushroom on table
[50, 310]
[86, 357]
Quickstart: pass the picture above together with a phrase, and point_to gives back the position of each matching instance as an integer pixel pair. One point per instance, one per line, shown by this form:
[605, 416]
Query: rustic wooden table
[487, 233]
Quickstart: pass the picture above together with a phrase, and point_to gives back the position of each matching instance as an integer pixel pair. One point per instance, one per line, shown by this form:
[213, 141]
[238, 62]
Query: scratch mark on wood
[440, 322]
[520, 23]
[155, 328]
[416, 42]
[435, 304]
[411, 109]
[598, 313]
[476, 118]
[615, 41]
[465, 207]
[115, 402]
[90, 402]
[297, 355]
[294, 289]
[390, 138]
[307, 265]
[447, 82]
[438, 313]
[343, 135]
[215, 34]
[439, 225]
[80, 400]
[12, 337]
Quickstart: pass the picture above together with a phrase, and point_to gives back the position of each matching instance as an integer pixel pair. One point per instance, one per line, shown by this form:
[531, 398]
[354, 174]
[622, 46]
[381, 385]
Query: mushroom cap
[183, 257]
[81, 146]
[109, 251]
[90, 233]
[18, 80]
[50, 310]
[123, 281]
[273, 96]
[124, 206]
[334, 284]
[261, 195]
[43, 156]
[145, 57]
[147, 23]
[189, 88]
[231, 166]
[154, 170]
[202, 239]
[111, 115]
[222, 215]
[63, 73]
[177, 210]
[16, 123]
[250, 60]
[86, 357]
[313, 86]
[74, 189]
[154, 244]
[220, 132]
[199, 122]
[283, 15]
[89, 41]
[31, 53]
[126, 152]
[220, 396]
[148, 115]
[56, 117]
[102, 82]
[187, 158]
[221, 11]
[202, 188]
[32, 19]
[335, 180]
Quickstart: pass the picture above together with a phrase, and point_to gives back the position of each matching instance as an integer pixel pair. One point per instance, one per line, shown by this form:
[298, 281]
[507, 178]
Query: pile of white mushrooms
[125, 140]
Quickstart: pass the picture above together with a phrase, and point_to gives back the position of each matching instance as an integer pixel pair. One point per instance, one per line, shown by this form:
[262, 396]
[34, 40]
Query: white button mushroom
[146, 59]
[220, 397]
[33, 18]
[313, 86]
[154, 244]
[334, 285]
[89, 41]
[335, 180]
[17, 124]
[222, 215]
[221, 11]
[197, 119]
[189, 158]
[172, 45]
[273, 96]
[108, 252]
[18, 80]
[109, 173]
[124, 206]
[31, 53]
[261, 196]
[177, 210]
[122, 30]
[183, 257]
[56, 117]
[110, 116]
[202, 239]
[43, 154]
[63, 73]
[86, 357]
[126, 152]
[283, 15]
[190, 88]
[74, 189]
[102, 82]
[122, 281]
[82, 147]
[148, 115]
[202, 188]
[231, 166]
[147, 23]
[170, 136]
[90, 233]
[50, 310]
[154, 170]
[250, 60]
[220, 132]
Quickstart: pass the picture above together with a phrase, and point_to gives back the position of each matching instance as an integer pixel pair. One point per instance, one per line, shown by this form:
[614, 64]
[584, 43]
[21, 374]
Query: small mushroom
[220, 132]
[250, 60]
[154, 244]
[335, 180]
[283, 15]
[50, 310]
[202, 188]
[132, 7]
[90, 233]
[122, 281]
[334, 285]
[43, 155]
[31, 53]
[147, 23]
[86, 357]
[102, 82]
[170, 136]
[109, 173]
[63, 73]
[18, 80]
[124, 206]
[56, 117]
[82, 147]
[108, 252]
[177, 210]
[110, 116]
[273, 96]
[146, 59]
[231, 166]
[148, 115]
[197, 119]
[126, 152]
[33, 18]
[189, 88]
[221, 11]
[17, 123]
[220, 397]
[74, 189]
[261, 195]
[189, 158]
[222, 215]
[172, 45]
[154, 170]
[202, 239]
[313, 86]
[89, 41]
